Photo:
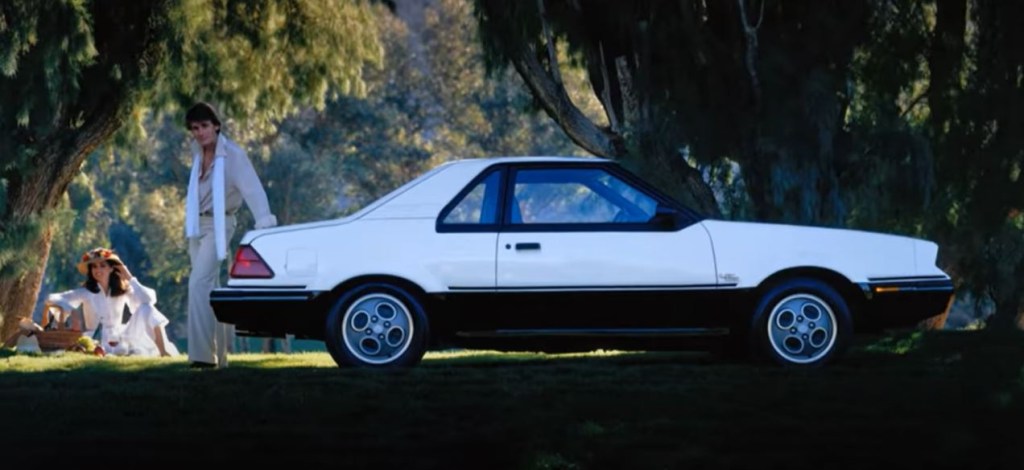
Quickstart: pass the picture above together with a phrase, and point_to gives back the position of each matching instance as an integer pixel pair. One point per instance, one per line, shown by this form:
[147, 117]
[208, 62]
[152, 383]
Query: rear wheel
[377, 325]
[801, 322]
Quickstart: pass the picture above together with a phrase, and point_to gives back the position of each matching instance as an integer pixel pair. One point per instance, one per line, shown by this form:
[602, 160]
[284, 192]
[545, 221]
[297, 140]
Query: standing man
[222, 176]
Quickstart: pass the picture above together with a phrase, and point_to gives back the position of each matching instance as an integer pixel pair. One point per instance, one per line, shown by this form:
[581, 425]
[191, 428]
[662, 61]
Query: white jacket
[234, 179]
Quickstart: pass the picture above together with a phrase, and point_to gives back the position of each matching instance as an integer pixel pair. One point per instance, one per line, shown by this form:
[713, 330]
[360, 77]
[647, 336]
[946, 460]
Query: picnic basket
[51, 340]
[56, 336]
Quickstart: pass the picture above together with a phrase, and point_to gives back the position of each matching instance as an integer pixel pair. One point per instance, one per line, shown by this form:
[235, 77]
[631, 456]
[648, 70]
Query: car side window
[479, 205]
[577, 196]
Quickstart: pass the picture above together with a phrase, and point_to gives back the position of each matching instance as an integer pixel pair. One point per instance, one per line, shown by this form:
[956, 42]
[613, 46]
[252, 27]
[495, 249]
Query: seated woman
[108, 288]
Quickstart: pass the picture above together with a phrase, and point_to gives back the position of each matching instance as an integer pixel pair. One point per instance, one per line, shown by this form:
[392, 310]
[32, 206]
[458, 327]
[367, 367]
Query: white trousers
[207, 338]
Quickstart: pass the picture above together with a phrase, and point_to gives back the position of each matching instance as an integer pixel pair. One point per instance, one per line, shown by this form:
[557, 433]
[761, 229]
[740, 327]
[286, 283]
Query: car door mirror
[665, 218]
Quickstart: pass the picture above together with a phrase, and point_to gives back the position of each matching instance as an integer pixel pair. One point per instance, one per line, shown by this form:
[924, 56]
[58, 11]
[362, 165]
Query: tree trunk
[1007, 316]
[937, 322]
[658, 162]
[694, 187]
[18, 295]
[32, 194]
[790, 188]
[945, 60]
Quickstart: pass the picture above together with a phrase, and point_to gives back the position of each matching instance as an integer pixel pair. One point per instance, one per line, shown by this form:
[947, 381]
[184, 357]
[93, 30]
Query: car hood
[758, 250]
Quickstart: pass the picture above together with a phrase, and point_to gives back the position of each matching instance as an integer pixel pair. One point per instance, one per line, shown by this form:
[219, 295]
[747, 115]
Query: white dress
[106, 313]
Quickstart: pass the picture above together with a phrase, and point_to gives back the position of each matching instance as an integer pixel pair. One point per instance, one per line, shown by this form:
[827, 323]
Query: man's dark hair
[202, 111]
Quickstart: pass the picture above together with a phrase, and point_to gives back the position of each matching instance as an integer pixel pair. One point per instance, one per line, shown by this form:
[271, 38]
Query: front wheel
[801, 322]
[377, 325]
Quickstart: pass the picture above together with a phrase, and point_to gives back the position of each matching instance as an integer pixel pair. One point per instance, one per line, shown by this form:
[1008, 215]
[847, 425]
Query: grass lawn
[946, 399]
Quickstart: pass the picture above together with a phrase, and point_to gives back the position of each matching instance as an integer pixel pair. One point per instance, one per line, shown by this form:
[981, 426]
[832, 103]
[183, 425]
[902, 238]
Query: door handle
[527, 246]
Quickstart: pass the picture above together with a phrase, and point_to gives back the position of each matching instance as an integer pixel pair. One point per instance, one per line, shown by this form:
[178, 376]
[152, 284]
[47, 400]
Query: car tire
[800, 322]
[377, 325]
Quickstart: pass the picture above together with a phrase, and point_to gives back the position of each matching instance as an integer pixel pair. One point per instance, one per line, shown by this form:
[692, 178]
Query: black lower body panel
[584, 320]
[904, 303]
[271, 312]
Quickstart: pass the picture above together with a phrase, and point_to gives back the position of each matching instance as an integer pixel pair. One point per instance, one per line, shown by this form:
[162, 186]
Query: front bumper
[903, 302]
[271, 312]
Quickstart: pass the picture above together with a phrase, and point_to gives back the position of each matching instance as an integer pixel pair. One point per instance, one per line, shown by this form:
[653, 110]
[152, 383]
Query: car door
[585, 246]
[466, 240]
[467, 231]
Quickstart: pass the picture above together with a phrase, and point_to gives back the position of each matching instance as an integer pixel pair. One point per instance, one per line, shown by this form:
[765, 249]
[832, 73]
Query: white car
[558, 253]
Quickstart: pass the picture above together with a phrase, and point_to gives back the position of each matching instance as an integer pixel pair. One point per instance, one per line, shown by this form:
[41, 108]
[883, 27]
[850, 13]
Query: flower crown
[104, 253]
[97, 254]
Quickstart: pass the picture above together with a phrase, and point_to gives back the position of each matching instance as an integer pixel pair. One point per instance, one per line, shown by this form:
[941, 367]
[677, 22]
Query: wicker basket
[57, 339]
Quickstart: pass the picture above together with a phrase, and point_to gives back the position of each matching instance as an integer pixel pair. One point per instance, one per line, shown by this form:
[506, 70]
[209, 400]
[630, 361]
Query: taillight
[248, 263]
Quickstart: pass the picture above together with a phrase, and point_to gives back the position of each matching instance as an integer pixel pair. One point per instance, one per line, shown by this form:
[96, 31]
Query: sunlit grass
[900, 345]
[282, 361]
[37, 362]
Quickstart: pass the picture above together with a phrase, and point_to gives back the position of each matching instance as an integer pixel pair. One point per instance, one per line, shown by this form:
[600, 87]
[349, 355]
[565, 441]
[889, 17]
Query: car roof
[523, 159]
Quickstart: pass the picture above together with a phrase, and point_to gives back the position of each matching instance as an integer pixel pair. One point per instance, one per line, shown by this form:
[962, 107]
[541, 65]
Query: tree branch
[606, 92]
[913, 103]
[549, 41]
[630, 102]
[556, 102]
[751, 56]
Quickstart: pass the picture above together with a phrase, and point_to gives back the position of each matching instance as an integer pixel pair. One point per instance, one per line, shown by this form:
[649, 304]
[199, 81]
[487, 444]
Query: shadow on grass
[913, 399]
[877, 350]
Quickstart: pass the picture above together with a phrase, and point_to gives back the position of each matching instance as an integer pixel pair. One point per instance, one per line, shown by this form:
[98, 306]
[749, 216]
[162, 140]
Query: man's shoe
[201, 365]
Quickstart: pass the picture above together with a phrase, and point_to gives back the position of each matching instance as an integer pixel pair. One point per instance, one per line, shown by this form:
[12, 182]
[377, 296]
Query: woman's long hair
[117, 285]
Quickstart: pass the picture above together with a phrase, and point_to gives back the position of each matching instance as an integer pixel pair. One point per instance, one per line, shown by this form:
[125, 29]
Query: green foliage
[890, 157]
[429, 102]
[44, 48]
[83, 224]
[260, 61]
[487, 116]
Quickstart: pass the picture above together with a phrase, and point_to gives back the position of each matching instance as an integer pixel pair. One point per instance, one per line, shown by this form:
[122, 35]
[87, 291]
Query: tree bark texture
[1007, 316]
[18, 295]
[792, 183]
